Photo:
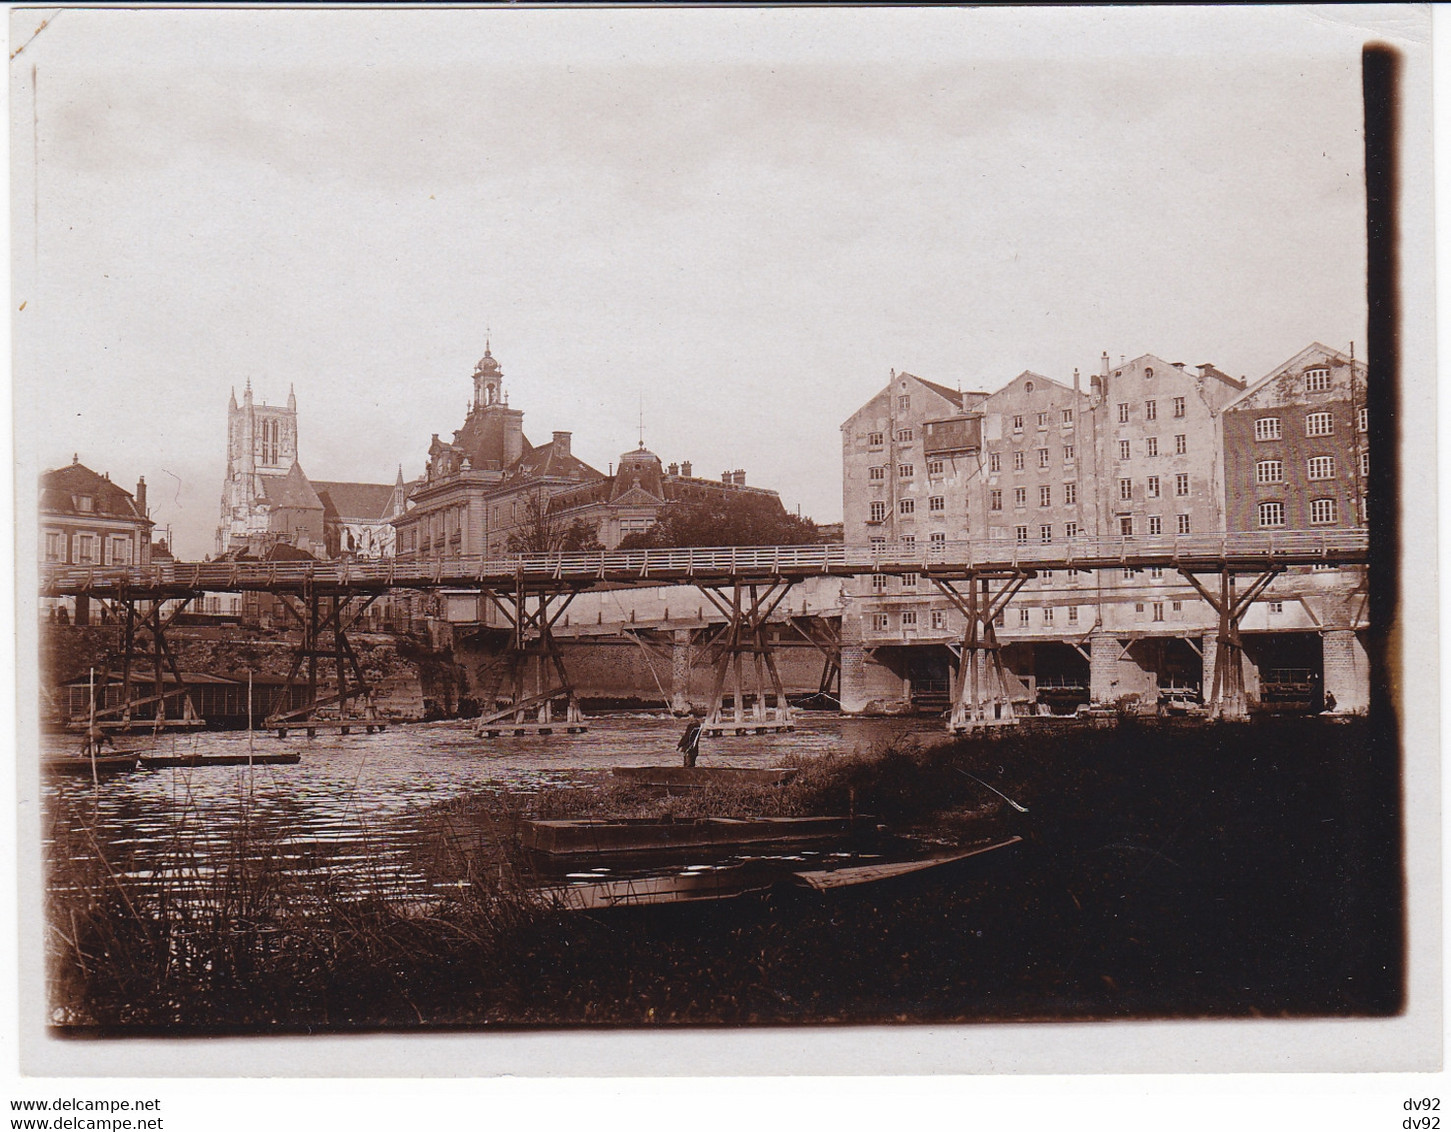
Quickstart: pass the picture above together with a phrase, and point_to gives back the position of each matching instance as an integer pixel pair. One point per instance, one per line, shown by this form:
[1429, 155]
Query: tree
[725, 519]
[542, 531]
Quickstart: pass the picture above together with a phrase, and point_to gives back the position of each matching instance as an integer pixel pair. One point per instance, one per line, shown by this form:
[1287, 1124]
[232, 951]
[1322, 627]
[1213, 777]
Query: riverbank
[1166, 872]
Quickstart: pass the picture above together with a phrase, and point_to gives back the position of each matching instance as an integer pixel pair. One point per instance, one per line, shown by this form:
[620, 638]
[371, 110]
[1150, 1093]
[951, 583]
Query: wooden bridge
[746, 585]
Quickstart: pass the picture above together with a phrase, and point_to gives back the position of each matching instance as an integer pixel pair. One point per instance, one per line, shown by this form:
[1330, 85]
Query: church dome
[488, 366]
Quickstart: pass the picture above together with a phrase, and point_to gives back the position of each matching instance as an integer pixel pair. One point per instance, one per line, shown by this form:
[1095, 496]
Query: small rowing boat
[117, 762]
[271, 758]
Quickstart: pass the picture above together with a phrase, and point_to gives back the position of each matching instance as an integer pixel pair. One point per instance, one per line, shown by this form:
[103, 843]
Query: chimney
[1104, 371]
[141, 495]
[685, 468]
[725, 477]
[673, 469]
[739, 478]
[561, 443]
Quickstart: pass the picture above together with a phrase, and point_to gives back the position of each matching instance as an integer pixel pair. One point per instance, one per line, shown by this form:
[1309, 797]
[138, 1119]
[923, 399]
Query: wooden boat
[115, 762]
[700, 777]
[699, 885]
[271, 758]
[824, 880]
[630, 835]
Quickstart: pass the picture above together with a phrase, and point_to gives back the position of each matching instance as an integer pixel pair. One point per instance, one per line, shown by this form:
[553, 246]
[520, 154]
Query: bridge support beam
[535, 663]
[1227, 698]
[981, 696]
[325, 620]
[143, 640]
[744, 658]
[1346, 667]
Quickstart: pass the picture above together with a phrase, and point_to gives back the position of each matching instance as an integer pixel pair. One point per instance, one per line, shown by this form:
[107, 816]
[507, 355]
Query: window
[1017, 424]
[909, 542]
[909, 581]
[905, 436]
[1126, 490]
[1001, 620]
[1042, 420]
[904, 403]
[905, 471]
[1045, 496]
[1151, 410]
[1130, 573]
[1269, 471]
[879, 582]
[1126, 526]
[879, 622]
[1276, 606]
[1181, 483]
[120, 551]
[937, 539]
[1020, 497]
[994, 462]
[1156, 573]
[1017, 461]
[85, 548]
[1362, 419]
[1047, 615]
[1072, 614]
[1151, 446]
[906, 506]
[1070, 493]
[1042, 457]
[1365, 463]
[1151, 487]
[1070, 530]
[1123, 450]
[1067, 416]
[1045, 576]
[1158, 611]
[54, 546]
[939, 619]
[1272, 514]
[1183, 524]
[1123, 414]
[874, 439]
[1156, 525]
[1323, 511]
[878, 511]
[1022, 534]
[1178, 406]
[878, 540]
[1317, 380]
[995, 501]
[934, 467]
[936, 503]
[1045, 533]
[1022, 617]
[85, 503]
[1267, 428]
[1176, 606]
[1181, 444]
[1321, 468]
[1138, 607]
[1319, 424]
[1148, 371]
[877, 473]
[1068, 453]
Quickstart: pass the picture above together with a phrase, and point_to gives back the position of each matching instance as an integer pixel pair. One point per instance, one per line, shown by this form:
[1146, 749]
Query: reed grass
[1167, 872]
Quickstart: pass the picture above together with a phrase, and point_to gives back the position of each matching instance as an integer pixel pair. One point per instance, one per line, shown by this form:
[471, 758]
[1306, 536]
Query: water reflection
[352, 812]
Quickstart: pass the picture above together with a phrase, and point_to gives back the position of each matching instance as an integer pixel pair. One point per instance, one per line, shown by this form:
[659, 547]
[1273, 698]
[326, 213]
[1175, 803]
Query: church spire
[291, 398]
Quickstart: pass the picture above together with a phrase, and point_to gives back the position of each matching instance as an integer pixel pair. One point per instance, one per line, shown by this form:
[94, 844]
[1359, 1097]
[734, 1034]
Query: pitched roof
[953, 395]
[546, 461]
[1314, 350]
[292, 490]
[365, 502]
[62, 488]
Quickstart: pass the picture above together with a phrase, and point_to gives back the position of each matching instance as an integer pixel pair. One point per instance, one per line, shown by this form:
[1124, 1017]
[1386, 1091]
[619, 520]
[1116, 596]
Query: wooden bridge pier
[321, 616]
[980, 693]
[1227, 699]
[535, 663]
[142, 639]
[746, 608]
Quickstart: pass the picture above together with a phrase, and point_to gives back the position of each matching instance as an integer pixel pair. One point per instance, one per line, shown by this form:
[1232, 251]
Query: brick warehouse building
[1140, 454]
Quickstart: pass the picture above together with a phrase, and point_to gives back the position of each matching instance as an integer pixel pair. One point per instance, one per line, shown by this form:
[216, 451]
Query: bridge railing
[684, 564]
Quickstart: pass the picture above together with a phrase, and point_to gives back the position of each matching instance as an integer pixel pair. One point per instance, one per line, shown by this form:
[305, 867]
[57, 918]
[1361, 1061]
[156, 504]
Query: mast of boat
[91, 743]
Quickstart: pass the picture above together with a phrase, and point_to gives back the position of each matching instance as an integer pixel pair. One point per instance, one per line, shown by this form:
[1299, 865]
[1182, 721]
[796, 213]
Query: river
[356, 805]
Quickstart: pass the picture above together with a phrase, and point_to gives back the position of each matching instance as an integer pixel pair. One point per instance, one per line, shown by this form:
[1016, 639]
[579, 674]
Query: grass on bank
[1168, 871]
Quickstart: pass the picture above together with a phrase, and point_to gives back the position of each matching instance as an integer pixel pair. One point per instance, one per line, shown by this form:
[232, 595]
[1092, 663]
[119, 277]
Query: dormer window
[85, 503]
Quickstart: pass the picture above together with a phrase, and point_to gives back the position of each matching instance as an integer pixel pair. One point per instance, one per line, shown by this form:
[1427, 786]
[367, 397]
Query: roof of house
[293, 490]
[359, 502]
[547, 461]
[62, 489]
[1316, 350]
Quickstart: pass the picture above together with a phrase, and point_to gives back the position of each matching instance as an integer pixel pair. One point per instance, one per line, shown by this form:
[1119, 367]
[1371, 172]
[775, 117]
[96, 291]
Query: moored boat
[701, 777]
[270, 758]
[116, 762]
[595, 836]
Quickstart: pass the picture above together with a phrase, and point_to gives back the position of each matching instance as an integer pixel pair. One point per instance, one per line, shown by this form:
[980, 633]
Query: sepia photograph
[676, 540]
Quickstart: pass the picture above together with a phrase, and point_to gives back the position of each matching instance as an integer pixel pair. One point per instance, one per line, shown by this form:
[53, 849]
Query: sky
[728, 225]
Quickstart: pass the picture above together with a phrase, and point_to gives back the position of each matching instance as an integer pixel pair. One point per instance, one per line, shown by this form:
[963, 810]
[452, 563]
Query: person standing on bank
[689, 744]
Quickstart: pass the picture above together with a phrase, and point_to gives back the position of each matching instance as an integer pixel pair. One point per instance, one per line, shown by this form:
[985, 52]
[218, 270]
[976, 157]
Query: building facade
[86, 520]
[1140, 455]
